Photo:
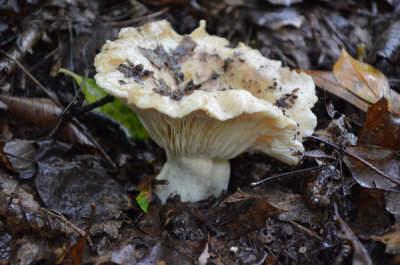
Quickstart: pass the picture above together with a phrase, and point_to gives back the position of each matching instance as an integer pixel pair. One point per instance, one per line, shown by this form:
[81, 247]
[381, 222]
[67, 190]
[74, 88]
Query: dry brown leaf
[328, 81]
[380, 128]
[43, 113]
[365, 81]
[384, 160]
[371, 217]
[377, 144]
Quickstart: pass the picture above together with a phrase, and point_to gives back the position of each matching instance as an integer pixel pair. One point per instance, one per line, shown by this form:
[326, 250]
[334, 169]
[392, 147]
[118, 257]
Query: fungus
[205, 103]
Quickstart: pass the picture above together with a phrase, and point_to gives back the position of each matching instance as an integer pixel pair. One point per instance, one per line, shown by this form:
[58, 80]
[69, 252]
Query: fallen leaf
[380, 128]
[360, 256]
[365, 81]
[74, 255]
[384, 160]
[115, 110]
[144, 197]
[328, 81]
[241, 213]
[371, 217]
[65, 187]
[151, 223]
[23, 214]
[377, 145]
[4, 161]
[43, 112]
[371, 166]
[21, 155]
[293, 206]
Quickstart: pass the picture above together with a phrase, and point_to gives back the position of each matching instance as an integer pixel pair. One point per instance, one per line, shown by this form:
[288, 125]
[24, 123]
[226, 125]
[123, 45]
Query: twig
[71, 52]
[83, 128]
[67, 222]
[31, 33]
[310, 232]
[383, 174]
[338, 34]
[88, 135]
[63, 115]
[22, 158]
[271, 253]
[256, 183]
[129, 22]
[59, 105]
[31, 77]
[42, 61]
[94, 105]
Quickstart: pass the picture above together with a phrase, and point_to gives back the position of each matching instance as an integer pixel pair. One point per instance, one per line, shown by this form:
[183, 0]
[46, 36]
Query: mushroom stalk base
[194, 179]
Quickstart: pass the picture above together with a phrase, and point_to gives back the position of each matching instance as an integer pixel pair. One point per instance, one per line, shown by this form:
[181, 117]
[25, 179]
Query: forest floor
[340, 205]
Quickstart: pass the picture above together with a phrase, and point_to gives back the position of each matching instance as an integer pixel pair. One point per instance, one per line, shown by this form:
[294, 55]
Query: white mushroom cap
[200, 99]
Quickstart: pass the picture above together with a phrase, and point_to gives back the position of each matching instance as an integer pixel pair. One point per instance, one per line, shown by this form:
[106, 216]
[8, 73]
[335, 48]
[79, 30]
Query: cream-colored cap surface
[155, 70]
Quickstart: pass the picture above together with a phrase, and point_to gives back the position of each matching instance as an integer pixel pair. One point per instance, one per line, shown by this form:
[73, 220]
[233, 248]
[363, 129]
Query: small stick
[62, 119]
[61, 217]
[129, 22]
[88, 135]
[310, 232]
[20, 157]
[31, 77]
[94, 105]
[42, 61]
[256, 183]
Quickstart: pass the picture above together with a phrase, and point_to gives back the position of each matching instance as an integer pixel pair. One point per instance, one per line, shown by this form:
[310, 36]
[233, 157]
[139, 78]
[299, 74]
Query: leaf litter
[291, 219]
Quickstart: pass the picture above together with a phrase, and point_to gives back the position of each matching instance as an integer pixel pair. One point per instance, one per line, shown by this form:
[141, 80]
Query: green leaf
[115, 110]
[144, 197]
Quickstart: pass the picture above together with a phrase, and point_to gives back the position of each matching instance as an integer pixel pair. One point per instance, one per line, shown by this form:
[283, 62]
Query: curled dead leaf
[43, 113]
[365, 81]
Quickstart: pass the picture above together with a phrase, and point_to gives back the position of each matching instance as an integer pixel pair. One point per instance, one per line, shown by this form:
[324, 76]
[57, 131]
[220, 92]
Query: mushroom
[205, 102]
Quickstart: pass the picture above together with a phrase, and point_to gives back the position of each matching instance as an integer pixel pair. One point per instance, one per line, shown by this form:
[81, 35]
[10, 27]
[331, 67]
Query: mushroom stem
[193, 178]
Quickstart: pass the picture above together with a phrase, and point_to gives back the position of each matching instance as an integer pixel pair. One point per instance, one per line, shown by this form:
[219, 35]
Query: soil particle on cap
[287, 100]
[130, 70]
[227, 62]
